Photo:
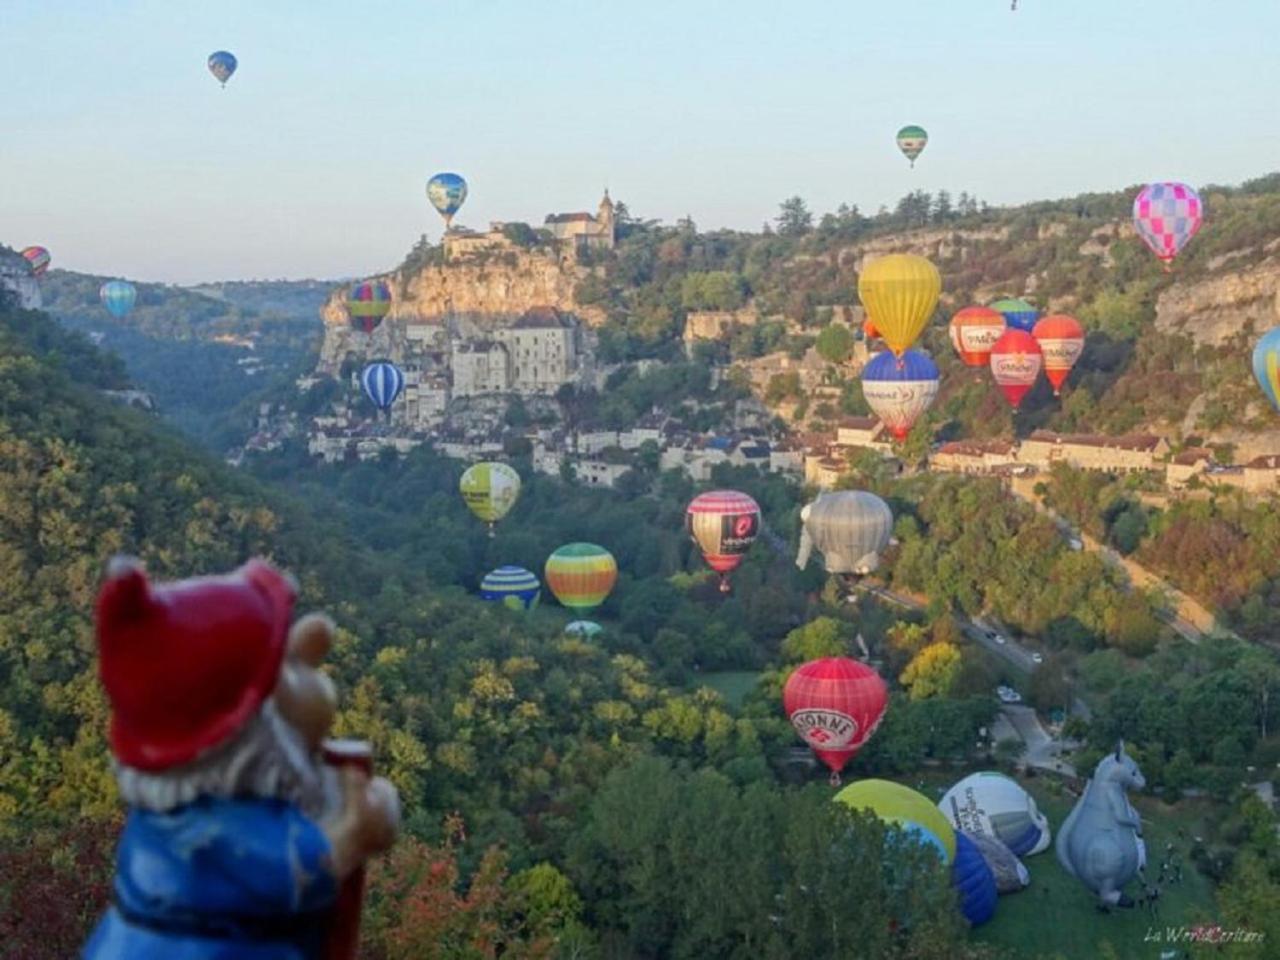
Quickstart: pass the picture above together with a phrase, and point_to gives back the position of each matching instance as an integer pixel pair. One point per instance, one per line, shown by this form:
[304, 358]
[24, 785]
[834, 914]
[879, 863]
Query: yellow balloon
[903, 807]
[900, 292]
[490, 490]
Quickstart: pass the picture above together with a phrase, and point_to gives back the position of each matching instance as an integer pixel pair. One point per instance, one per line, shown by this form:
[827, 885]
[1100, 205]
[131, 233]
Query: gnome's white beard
[268, 759]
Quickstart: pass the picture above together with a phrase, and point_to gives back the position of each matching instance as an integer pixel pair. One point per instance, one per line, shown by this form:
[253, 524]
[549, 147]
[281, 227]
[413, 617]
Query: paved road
[1042, 750]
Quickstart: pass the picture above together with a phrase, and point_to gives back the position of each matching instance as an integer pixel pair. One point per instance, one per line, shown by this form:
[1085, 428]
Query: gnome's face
[304, 696]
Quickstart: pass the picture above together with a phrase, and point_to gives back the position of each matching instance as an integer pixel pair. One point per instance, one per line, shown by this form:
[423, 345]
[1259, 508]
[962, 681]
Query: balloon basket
[724, 584]
[834, 779]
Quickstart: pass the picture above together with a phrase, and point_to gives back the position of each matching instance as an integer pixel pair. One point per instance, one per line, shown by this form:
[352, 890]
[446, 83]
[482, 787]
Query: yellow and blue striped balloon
[514, 587]
[1266, 366]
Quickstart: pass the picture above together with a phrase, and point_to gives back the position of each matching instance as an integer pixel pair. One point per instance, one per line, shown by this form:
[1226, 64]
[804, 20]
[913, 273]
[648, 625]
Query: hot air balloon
[904, 808]
[1167, 216]
[118, 296]
[490, 490]
[367, 304]
[1266, 365]
[899, 292]
[869, 331]
[581, 575]
[382, 382]
[849, 528]
[514, 587]
[912, 141]
[835, 705]
[899, 390]
[724, 524]
[993, 805]
[446, 191]
[1017, 313]
[974, 330]
[584, 628]
[1061, 340]
[222, 65]
[973, 881]
[1009, 872]
[1015, 364]
[39, 258]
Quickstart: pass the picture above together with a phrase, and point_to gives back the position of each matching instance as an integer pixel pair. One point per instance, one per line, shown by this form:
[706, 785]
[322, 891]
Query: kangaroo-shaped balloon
[1100, 844]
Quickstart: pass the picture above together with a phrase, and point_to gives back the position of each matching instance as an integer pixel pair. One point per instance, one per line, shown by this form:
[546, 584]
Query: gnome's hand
[366, 824]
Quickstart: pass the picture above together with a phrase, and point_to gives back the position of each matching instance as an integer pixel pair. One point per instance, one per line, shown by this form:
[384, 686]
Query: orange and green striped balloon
[581, 575]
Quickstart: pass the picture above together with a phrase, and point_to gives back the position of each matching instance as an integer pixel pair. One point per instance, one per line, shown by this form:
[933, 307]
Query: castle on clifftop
[578, 232]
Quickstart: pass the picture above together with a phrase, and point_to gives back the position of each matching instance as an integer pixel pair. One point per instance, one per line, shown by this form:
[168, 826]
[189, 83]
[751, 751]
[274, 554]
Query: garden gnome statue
[243, 838]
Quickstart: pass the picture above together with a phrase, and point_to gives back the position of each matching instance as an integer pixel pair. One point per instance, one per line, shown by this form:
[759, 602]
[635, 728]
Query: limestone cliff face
[490, 290]
[940, 244]
[15, 276]
[1215, 310]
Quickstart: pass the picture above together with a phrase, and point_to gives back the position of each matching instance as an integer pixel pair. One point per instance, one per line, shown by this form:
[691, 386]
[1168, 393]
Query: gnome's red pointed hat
[187, 664]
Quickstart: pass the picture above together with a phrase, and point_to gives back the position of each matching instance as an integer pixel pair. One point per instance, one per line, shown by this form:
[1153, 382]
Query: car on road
[1075, 543]
[1008, 694]
[998, 638]
[1037, 658]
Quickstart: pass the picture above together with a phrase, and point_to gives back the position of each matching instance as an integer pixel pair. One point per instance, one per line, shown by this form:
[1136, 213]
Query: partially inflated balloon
[382, 383]
[973, 882]
[222, 65]
[1061, 340]
[835, 705]
[899, 390]
[849, 528]
[367, 304]
[1167, 216]
[513, 587]
[724, 524]
[899, 292]
[490, 490]
[447, 191]
[581, 575]
[38, 258]
[584, 628]
[1015, 364]
[1017, 313]
[912, 141]
[974, 331]
[991, 804]
[1266, 365]
[118, 296]
[903, 807]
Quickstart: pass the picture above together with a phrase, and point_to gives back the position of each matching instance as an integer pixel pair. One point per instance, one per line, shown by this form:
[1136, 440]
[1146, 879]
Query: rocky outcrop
[1216, 310]
[16, 277]
[939, 244]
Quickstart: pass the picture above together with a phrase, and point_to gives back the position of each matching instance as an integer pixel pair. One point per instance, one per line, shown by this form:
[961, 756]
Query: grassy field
[733, 685]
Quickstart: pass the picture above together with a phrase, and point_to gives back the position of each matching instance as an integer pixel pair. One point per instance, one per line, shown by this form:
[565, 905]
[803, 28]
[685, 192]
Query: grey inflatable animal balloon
[1100, 844]
[849, 528]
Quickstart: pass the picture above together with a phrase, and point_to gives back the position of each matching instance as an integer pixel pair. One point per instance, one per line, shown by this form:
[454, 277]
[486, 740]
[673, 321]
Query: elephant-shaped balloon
[1100, 844]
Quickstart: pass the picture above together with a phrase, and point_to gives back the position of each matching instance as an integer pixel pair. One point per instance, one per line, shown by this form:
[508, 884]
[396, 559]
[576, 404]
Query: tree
[1009, 751]
[932, 671]
[835, 343]
[823, 637]
[794, 218]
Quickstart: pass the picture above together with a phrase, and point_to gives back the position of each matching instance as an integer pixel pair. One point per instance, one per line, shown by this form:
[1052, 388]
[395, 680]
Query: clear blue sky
[120, 152]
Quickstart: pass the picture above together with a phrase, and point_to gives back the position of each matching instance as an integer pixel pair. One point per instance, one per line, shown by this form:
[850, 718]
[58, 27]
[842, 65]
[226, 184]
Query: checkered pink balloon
[1166, 216]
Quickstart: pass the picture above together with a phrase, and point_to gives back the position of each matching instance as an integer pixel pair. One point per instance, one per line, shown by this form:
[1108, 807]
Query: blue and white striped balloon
[899, 390]
[512, 586]
[382, 382]
[118, 296]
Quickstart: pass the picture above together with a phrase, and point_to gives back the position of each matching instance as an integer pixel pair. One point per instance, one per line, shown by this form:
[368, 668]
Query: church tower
[604, 217]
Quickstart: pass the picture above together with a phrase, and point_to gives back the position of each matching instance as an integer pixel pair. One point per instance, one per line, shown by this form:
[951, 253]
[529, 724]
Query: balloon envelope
[222, 65]
[1266, 365]
[584, 628]
[991, 804]
[974, 331]
[849, 528]
[912, 141]
[1017, 313]
[490, 490]
[899, 292]
[899, 389]
[724, 525]
[973, 881]
[903, 807]
[118, 296]
[514, 587]
[835, 704]
[1167, 216]
[447, 192]
[382, 383]
[38, 258]
[581, 575]
[1015, 364]
[1009, 872]
[368, 303]
[1061, 340]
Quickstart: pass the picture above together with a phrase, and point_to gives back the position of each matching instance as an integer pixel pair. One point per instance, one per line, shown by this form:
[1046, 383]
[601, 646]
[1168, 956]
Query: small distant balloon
[724, 524]
[118, 296]
[382, 382]
[513, 587]
[222, 65]
[1061, 340]
[900, 389]
[586, 629]
[581, 575]
[1015, 364]
[447, 192]
[367, 304]
[974, 331]
[38, 258]
[849, 528]
[1167, 216]
[912, 141]
[490, 490]
[1017, 313]
[1266, 366]
[899, 292]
